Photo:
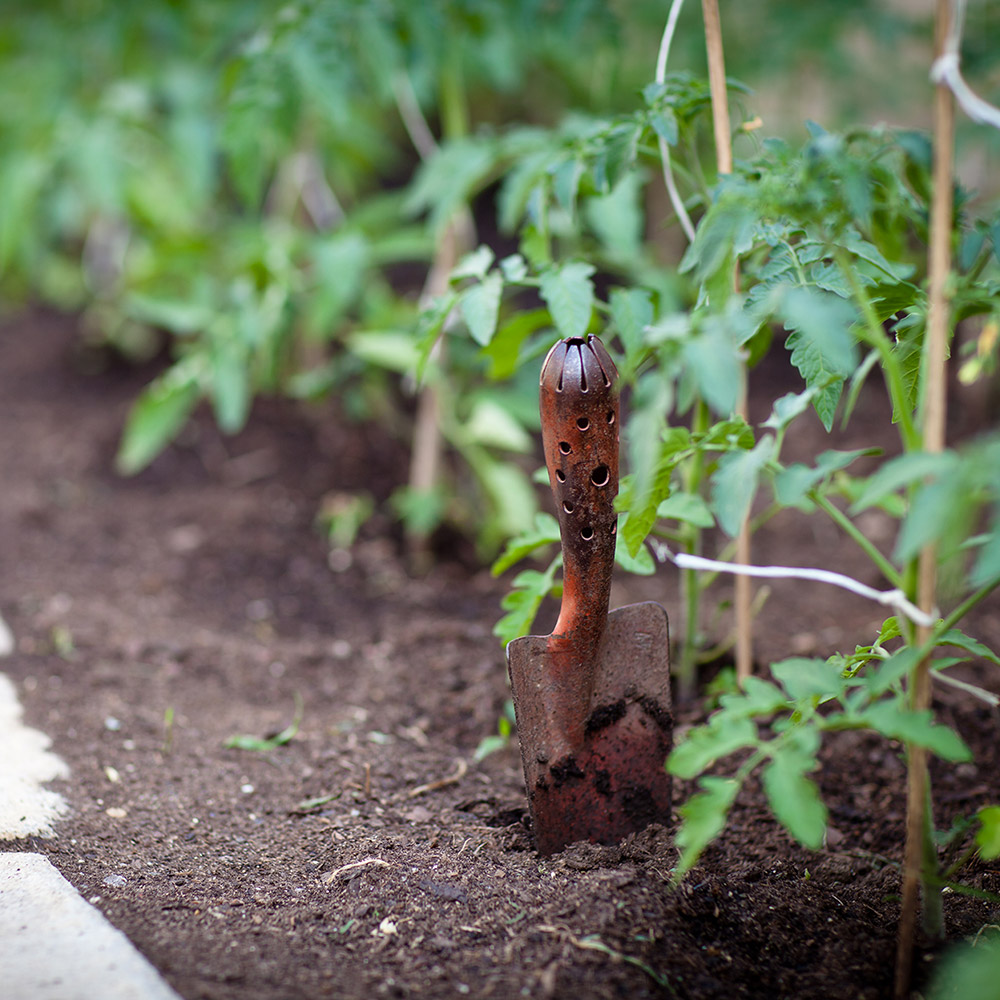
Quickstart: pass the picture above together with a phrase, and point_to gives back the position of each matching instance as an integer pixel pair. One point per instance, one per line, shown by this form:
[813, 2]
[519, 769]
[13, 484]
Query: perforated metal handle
[578, 401]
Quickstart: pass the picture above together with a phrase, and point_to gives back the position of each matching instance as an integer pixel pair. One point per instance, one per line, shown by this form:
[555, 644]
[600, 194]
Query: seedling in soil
[265, 744]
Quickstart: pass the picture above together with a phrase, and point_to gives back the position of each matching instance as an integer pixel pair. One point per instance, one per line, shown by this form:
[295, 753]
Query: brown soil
[372, 856]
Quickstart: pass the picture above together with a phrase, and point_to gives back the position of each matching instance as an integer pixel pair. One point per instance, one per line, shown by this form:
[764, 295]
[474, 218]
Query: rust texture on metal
[593, 698]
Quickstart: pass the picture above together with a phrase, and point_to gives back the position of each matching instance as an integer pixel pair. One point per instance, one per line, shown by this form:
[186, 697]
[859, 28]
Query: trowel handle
[579, 410]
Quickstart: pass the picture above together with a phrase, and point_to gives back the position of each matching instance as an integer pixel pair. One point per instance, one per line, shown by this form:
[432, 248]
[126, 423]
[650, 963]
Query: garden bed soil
[159, 616]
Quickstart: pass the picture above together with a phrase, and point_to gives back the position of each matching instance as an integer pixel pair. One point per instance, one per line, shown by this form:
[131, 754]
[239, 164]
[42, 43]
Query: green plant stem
[454, 105]
[847, 525]
[690, 584]
[874, 336]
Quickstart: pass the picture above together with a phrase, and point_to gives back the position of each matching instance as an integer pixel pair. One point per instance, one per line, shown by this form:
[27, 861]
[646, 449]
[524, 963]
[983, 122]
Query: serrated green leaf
[807, 678]
[988, 834]
[794, 798]
[726, 229]
[723, 734]
[893, 719]
[823, 348]
[480, 306]
[545, 531]
[530, 588]
[758, 698]
[734, 485]
[703, 818]
[956, 637]
[569, 293]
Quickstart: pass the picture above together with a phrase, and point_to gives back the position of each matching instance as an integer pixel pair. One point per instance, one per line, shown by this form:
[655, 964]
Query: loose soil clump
[370, 855]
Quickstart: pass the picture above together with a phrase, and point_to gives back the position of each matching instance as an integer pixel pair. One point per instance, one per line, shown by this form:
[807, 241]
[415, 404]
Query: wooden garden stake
[724, 160]
[934, 413]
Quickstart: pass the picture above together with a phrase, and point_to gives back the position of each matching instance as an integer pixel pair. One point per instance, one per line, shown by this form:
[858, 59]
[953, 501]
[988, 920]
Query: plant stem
[920, 858]
[691, 588]
[847, 525]
[875, 336]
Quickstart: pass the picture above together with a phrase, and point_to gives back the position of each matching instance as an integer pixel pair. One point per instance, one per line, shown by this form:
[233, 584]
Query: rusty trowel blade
[614, 782]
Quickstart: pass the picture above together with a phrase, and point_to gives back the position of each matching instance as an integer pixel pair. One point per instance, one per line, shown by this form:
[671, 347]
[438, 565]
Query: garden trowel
[592, 699]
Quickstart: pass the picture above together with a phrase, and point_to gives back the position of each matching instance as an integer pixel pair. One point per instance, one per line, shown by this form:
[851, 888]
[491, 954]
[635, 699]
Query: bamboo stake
[934, 417]
[743, 590]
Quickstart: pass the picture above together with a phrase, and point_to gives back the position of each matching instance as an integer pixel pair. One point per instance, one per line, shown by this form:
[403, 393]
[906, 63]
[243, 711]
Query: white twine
[947, 70]
[895, 599]
[668, 173]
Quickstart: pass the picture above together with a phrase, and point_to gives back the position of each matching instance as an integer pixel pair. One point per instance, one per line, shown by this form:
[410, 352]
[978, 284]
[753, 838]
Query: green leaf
[569, 294]
[898, 473]
[175, 315]
[264, 744]
[793, 483]
[988, 834]
[891, 671]
[158, 414]
[703, 818]
[726, 229]
[955, 637]
[688, 507]
[758, 698]
[734, 485]
[474, 265]
[631, 312]
[723, 734]
[649, 484]
[530, 588]
[504, 349]
[394, 350]
[823, 349]
[641, 563]
[545, 531]
[788, 407]
[617, 218]
[937, 509]
[715, 361]
[230, 382]
[341, 263]
[987, 567]
[491, 423]
[805, 679]
[892, 719]
[793, 797]
[480, 306]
